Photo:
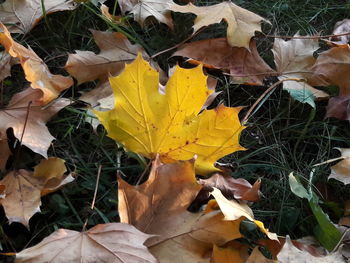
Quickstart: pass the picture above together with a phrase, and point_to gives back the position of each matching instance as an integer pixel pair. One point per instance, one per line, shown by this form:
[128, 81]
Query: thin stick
[95, 194]
[176, 46]
[308, 37]
[247, 116]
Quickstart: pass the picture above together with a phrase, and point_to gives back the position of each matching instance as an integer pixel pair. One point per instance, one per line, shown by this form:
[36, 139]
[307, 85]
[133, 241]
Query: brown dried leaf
[5, 151]
[142, 9]
[23, 189]
[294, 59]
[333, 66]
[341, 171]
[35, 69]
[245, 66]
[6, 61]
[241, 23]
[110, 17]
[339, 107]
[159, 207]
[113, 242]
[291, 254]
[36, 136]
[231, 188]
[115, 51]
[23, 15]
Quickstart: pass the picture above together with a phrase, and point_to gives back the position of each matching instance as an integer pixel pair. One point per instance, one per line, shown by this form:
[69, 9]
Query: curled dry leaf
[142, 9]
[159, 207]
[23, 15]
[234, 210]
[150, 123]
[231, 188]
[113, 242]
[245, 66]
[23, 188]
[6, 61]
[291, 254]
[36, 71]
[294, 59]
[333, 66]
[341, 171]
[110, 17]
[341, 27]
[241, 23]
[115, 51]
[25, 115]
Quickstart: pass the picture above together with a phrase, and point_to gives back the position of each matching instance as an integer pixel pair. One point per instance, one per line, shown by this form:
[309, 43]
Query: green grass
[282, 136]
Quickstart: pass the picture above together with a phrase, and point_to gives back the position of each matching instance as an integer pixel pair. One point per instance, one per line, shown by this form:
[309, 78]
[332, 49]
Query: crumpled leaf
[231, 188]
[112, 242]
[150, 123]
[159, 207]
[294, 59]
[5, 151]
[23, 15]
[35, 69]
[333, 66]
[241, 23]
[36, 136]
[115, 51]
[142, 9]
[23, 189]
[105, 12]
[6, 61]
[341, 171]
[245, 66]
[290, 254]
[341, 27]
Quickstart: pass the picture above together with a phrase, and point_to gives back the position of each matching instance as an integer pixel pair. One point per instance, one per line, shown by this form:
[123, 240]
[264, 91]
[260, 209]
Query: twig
[176, 46]
[329, 161]
[246, 117]
[95, 194]
[308, 37]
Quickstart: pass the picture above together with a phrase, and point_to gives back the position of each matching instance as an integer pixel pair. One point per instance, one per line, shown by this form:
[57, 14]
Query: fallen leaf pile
[168, 118]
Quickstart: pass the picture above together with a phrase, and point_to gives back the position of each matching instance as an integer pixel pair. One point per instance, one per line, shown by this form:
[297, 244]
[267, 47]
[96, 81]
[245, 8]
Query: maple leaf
[116, 50]
[294, 59]
[241, 23]
[112, 242]
[333, 66]
[23, 15]
[217, 53]
[142, 9]
[341, 171]
[25, 115]
[290, 253]
[35, 69]
[23, 189]
[148, 122]
[159, 207]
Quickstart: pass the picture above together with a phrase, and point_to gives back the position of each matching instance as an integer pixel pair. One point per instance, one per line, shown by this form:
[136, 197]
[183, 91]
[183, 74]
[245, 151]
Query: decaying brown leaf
[294, 59]
[23, 189]
[231, 188]
[339, 107]
[6, 61]
[341, 171]
[113, 242]
[110, 17]
[115, 51]
[159, 207]
[291, 254]
[36, 71]
[142, 9]
[23, 15]
[241, 23]
[25, 110]
[333, 66]
[245, 66]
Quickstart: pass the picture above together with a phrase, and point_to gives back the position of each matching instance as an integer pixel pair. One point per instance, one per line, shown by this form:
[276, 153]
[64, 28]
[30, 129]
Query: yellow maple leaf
[170, 124]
